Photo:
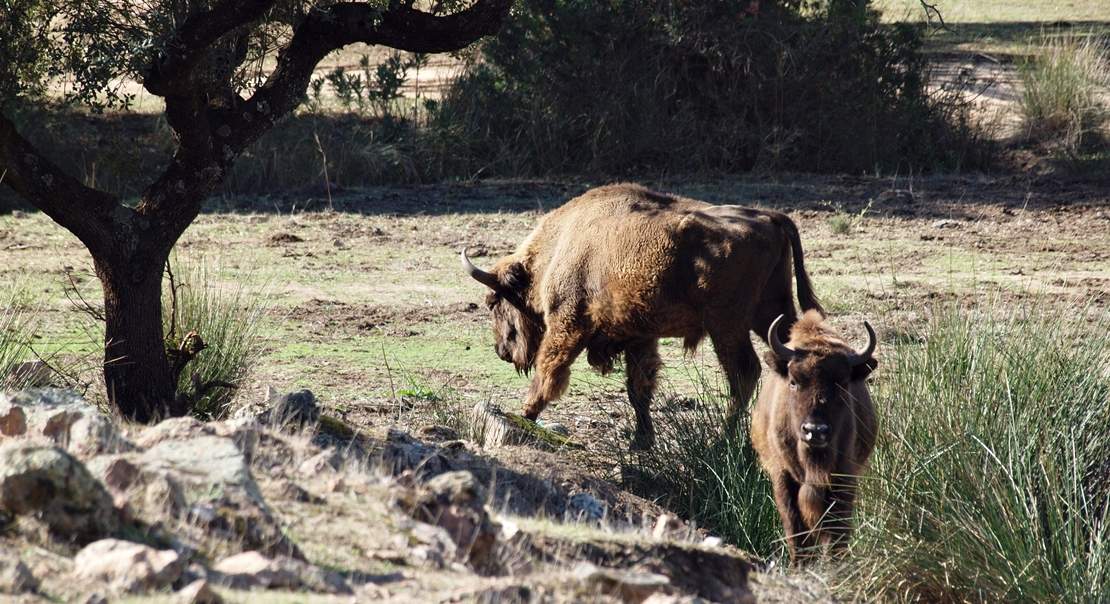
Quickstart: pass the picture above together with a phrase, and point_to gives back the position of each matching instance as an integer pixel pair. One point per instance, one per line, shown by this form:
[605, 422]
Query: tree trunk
[136, 370]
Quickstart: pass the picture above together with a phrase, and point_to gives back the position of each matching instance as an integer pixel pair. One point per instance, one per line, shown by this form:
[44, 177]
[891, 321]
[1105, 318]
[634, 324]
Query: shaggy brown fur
[814, 428]
[621, 266]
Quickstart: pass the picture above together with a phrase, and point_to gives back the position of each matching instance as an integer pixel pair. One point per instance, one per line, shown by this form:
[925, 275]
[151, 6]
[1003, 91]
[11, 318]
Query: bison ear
[515, 278]
[776, 363]
[861, 371]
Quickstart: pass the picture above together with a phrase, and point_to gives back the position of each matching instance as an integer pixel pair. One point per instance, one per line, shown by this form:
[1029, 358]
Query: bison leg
[556, 354]
[642, 363]
[793, 526]
[741, 366]
[836, 526]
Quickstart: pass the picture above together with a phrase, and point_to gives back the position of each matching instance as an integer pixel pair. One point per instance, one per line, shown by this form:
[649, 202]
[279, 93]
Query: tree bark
[136, 371]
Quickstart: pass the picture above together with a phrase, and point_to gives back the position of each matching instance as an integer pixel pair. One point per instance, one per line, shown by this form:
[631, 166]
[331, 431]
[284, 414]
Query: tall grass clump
[991, 481]
[228, 318]
[709, 476]
[1066, 91]
[17, 330]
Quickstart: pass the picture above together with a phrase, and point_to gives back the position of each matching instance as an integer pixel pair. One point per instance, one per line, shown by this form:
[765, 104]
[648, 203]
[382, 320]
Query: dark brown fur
[621, 266]
[815, 488]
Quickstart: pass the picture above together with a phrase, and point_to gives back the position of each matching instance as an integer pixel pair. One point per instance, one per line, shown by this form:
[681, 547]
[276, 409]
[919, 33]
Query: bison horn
[777, 346]
[481, 276]
[860, 358]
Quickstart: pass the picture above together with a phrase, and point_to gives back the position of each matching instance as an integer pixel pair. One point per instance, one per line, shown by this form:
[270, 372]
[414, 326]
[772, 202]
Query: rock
[127, 567]
[13, 421]
[403, 453]
[297, 408]
[41, 479]
[438, 434]
[630, 586]
[947, 223]
[66, 419]
[15, 577]
[455, 502]
[203, 462]
[584, 506]
[253, 569]
[498, 428]
[197, 592]
[559, 429]
[244, 432]
[31, 374]
[174, 428]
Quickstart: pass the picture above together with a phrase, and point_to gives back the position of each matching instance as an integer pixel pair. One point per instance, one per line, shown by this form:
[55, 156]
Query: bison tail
[807, 298]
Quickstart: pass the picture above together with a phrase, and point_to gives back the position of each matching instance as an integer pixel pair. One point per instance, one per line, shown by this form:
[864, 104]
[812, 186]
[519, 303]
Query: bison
[814, 428]
[621, 266]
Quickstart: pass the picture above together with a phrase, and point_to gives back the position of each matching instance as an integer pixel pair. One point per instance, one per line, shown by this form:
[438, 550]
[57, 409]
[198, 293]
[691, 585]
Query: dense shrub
[623, 85]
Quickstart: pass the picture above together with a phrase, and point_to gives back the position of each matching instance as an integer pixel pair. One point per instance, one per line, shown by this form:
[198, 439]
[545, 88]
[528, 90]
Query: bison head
[517, 329]
[824, 377]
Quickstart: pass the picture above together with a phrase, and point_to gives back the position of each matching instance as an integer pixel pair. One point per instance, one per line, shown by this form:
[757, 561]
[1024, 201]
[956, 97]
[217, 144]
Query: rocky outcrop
[43, 480]
[455, 502]
[62, 417]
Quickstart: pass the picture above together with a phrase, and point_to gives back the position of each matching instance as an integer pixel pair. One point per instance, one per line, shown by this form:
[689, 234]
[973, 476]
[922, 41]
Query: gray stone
[15, 577]
[197, 592]
[254, 569]
[65, 418]
[584, 506]
[126, 566]
[43, 480]
[202, 462]
[297, 408]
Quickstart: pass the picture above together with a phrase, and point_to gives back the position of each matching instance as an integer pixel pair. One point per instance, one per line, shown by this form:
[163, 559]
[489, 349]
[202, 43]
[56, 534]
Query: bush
[990, 480]
[1064, 88]
[227, 319]
[574, 86]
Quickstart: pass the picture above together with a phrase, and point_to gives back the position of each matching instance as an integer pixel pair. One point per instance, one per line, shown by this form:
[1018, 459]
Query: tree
[206, 59]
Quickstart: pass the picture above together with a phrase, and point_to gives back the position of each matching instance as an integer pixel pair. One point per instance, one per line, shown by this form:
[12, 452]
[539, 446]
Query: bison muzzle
[814, 428]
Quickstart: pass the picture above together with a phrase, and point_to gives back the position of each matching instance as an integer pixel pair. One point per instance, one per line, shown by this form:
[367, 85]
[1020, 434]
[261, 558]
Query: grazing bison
[619, 267]
[814, 427]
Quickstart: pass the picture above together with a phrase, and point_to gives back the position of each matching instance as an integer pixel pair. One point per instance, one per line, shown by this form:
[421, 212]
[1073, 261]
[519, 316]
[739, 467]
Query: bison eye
[793, 385]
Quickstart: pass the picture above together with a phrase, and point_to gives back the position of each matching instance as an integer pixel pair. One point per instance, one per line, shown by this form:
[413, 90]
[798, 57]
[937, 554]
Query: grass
[1064, 91]
[989, 482]
[704, 475]
[228, 319]
[17, 330]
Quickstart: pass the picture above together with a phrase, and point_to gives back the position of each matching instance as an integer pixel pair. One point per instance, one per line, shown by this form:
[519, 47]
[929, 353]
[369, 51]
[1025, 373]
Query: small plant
[1064, 91]
[842, 222]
